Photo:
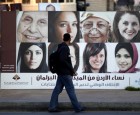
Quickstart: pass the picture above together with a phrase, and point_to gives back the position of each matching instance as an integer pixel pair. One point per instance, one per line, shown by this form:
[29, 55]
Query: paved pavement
[38, 99]
[73, 113]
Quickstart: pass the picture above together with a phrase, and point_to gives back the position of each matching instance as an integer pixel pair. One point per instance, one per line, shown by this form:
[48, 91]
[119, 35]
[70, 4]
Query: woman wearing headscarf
[95, 27]
[32, 58]
[126, 56]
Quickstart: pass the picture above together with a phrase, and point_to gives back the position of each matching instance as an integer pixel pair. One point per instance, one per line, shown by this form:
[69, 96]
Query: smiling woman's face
[33, 27]
[97, 61]
[123, 59]
[128, 26]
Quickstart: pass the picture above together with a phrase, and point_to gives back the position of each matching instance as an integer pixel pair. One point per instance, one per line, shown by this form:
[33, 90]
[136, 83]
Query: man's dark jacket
[65, 65]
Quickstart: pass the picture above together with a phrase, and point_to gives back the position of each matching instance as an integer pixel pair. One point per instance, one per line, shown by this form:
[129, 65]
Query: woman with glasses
[95, 27]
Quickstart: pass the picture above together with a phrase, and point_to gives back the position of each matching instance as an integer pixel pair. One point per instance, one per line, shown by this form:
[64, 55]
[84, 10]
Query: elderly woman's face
[123, 59]
[33, 57]
[33, 27]
[95, 30]
[128, 26]
[66, 23]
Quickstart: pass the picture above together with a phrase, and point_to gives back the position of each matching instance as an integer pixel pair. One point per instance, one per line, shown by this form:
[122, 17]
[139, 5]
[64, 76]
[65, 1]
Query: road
[73, 113]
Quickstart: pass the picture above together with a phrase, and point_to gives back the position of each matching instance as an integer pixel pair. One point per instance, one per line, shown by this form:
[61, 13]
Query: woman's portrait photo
[95, 27]
[32, 58]
[74, 53]
[32, 26]
[126, 56]
[95, 58]
[62, 22]
[126, 26]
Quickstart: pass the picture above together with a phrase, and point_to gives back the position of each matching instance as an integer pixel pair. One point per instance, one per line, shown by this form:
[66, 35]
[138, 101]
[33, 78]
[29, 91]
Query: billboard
[104, 49]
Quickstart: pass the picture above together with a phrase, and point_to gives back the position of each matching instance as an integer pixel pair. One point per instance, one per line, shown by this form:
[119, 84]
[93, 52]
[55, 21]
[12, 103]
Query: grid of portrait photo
[101, 42]
[104, 48]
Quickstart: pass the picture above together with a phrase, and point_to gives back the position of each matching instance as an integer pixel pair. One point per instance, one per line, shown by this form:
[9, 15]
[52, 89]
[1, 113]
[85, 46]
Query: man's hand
[75, 74]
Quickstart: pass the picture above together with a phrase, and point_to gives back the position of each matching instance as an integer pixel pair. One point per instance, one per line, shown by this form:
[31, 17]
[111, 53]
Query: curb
[90, 106]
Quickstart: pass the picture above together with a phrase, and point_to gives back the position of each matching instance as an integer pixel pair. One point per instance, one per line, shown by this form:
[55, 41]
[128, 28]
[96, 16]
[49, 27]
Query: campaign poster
[109, 64]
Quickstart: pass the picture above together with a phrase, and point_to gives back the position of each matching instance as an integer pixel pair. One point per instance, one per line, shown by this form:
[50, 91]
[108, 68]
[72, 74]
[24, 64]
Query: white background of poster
[82, 81]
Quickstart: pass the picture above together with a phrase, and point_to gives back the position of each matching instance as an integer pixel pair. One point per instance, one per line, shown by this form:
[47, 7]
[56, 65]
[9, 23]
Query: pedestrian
[65, 74]
[74, 53]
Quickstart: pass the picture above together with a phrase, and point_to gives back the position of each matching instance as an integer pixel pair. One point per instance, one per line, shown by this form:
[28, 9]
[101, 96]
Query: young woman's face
[33, 27]
[128, 26]
[95, 30]
[33, 57]
[123, 59]
[66, 23]
[72, 55]
[97, 61]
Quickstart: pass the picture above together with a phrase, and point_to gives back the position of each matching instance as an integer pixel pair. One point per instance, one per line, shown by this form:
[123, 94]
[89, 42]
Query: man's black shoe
[82, 109]
[54, 110]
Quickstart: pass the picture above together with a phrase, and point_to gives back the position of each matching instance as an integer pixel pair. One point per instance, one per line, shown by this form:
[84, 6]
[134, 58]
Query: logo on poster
[16, 77]
[17, 81]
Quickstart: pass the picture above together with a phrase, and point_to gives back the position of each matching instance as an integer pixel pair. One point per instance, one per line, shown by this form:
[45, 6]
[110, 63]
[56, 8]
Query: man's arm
[64, 55]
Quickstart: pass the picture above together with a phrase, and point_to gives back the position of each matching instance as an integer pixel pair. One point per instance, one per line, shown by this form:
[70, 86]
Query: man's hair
[66, 37]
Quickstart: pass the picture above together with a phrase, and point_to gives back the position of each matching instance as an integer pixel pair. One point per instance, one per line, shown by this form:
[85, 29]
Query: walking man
[65, 74]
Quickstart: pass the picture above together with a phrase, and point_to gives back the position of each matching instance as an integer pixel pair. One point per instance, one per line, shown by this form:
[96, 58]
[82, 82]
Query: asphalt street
[73, 113]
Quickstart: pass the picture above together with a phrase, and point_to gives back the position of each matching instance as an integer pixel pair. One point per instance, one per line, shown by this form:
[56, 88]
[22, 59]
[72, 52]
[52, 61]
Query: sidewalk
[38, 99]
